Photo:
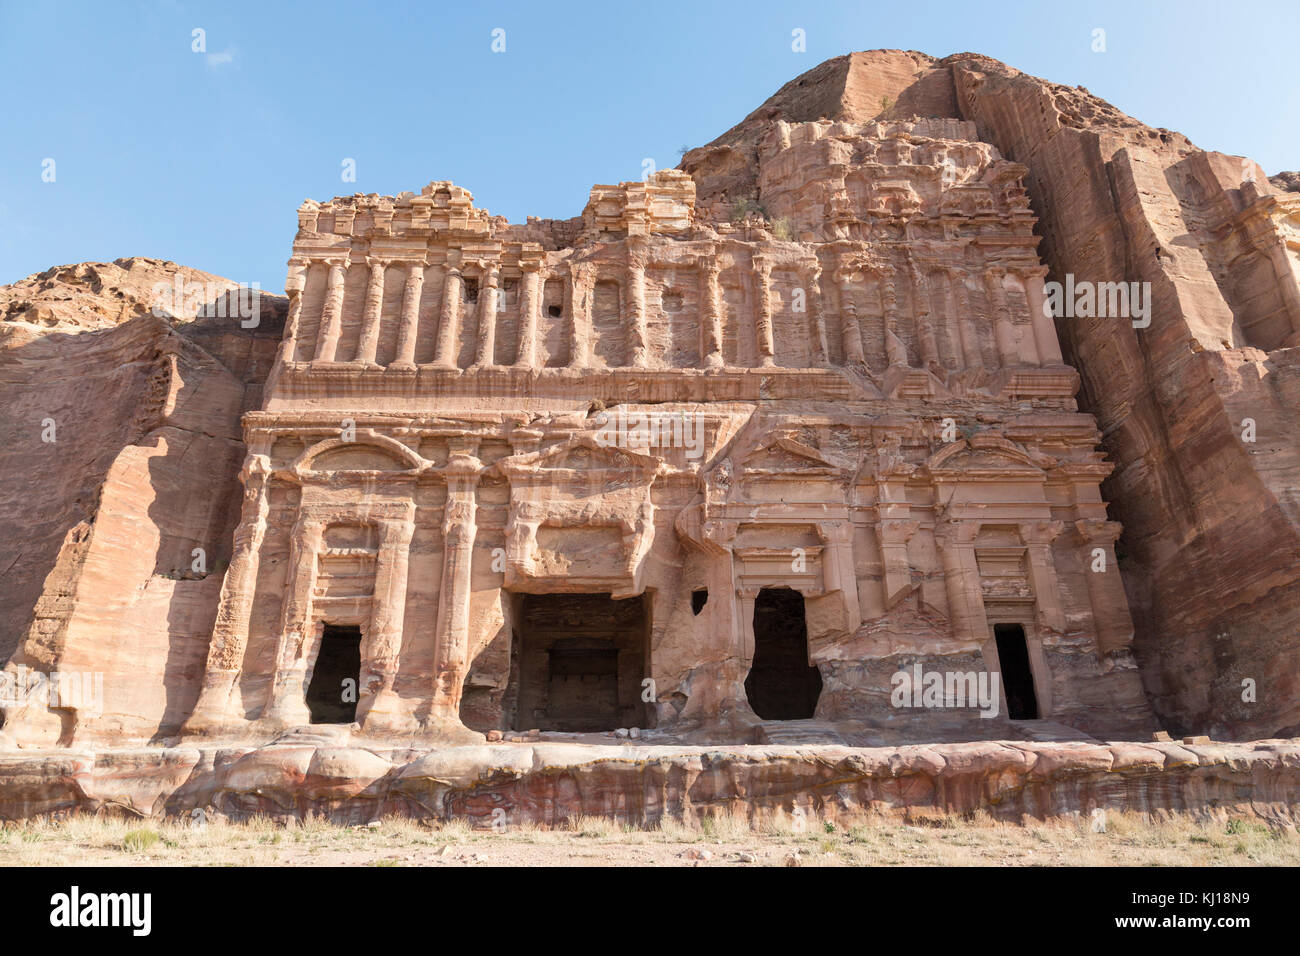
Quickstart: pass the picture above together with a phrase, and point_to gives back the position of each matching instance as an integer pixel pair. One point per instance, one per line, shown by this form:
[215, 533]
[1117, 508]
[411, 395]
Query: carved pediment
[580, 455]
[984, 456]
[368, 453]
[785, 456]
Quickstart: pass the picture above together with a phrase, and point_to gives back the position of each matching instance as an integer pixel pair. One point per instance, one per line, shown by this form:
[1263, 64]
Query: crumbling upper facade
[592, 474]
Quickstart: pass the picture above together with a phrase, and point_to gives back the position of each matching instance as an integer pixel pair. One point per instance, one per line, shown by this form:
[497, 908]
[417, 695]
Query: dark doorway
[332, 694]
[582, 659]
[1017, 678]
[781, 685]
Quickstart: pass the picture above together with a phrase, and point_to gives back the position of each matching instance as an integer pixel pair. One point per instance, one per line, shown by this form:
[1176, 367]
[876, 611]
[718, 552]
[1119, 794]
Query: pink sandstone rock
[717, 460]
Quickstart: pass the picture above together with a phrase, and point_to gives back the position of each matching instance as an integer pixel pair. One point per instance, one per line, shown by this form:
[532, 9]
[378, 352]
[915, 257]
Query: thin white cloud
[220, 59]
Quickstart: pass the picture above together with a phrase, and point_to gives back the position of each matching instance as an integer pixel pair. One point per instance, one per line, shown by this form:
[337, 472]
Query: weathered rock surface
[547, 784]
[1288, 181]
[98, 525]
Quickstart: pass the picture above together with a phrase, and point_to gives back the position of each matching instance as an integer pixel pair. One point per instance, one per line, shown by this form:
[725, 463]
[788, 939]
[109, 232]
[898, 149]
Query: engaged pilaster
[448, 320]
[485, 351]
[816, 320]
[854, 353]
[287, 704]
[636, 265]
[377, 704]
[331, 319]
[529, 305]
[459, 528]
[711, 297]
[966, 329]
[238, 588]
[1049, 347]
[408, 327]
[1004, 332]
[763, 298]
[368, 345]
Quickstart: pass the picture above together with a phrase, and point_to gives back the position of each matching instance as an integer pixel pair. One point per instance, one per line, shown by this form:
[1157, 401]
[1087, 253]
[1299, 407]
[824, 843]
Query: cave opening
[332, 693]
[782, 685]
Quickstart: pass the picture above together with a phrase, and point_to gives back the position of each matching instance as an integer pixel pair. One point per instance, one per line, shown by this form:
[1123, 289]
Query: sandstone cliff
[1198, 409]
[121, 446]
[146, 409]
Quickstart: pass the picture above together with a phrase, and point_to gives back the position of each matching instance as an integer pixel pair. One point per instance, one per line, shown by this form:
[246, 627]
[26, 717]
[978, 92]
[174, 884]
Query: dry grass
[726, 838]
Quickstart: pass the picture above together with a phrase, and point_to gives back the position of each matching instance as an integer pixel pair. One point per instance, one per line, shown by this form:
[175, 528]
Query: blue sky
[203, 157]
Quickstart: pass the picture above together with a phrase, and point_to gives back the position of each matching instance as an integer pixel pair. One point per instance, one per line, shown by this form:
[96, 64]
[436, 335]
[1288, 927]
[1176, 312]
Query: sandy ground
[1126, 841]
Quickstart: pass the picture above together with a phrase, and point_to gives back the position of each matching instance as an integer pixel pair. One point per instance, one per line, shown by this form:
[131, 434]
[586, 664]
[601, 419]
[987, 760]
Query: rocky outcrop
[547, 784]
[1198, 408]
[122, 386]
[1288, 181]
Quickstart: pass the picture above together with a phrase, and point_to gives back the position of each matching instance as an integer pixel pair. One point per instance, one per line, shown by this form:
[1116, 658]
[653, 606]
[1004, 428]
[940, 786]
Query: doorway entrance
[582, 658]
[332, 693]
[1017, 676]
[782, 685]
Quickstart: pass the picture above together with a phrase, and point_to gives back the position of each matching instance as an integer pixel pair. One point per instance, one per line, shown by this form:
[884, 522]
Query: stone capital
[1098, 531]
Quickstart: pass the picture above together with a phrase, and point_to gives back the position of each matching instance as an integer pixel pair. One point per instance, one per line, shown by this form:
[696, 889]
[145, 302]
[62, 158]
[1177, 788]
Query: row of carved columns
[1039, 348]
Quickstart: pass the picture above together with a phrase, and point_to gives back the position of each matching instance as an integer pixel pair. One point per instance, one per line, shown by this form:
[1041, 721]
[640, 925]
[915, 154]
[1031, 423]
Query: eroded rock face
[121, 449]
[549, 784]
[794, 406]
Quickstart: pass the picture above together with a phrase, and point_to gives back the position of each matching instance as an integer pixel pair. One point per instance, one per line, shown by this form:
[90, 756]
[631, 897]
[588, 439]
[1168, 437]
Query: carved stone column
[854, 354]
[895, 352]
[409, 327]
[577, 293]
[763, 302]
[331, 319]
[956, 541]
[1004, 332]
[838, 568]
[377, 707]
[925, 338]
[711, 297]
[368, 344]
[529, 302]
[1038, 537]
[238, 588]
[636, 266]
[1049, 347]
[485, 352]
[294, 284]
[459, 528]
[967, 331]
[1110, 612]
[287, 705]
[896, 580]
[448, 320]
[816, 320]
